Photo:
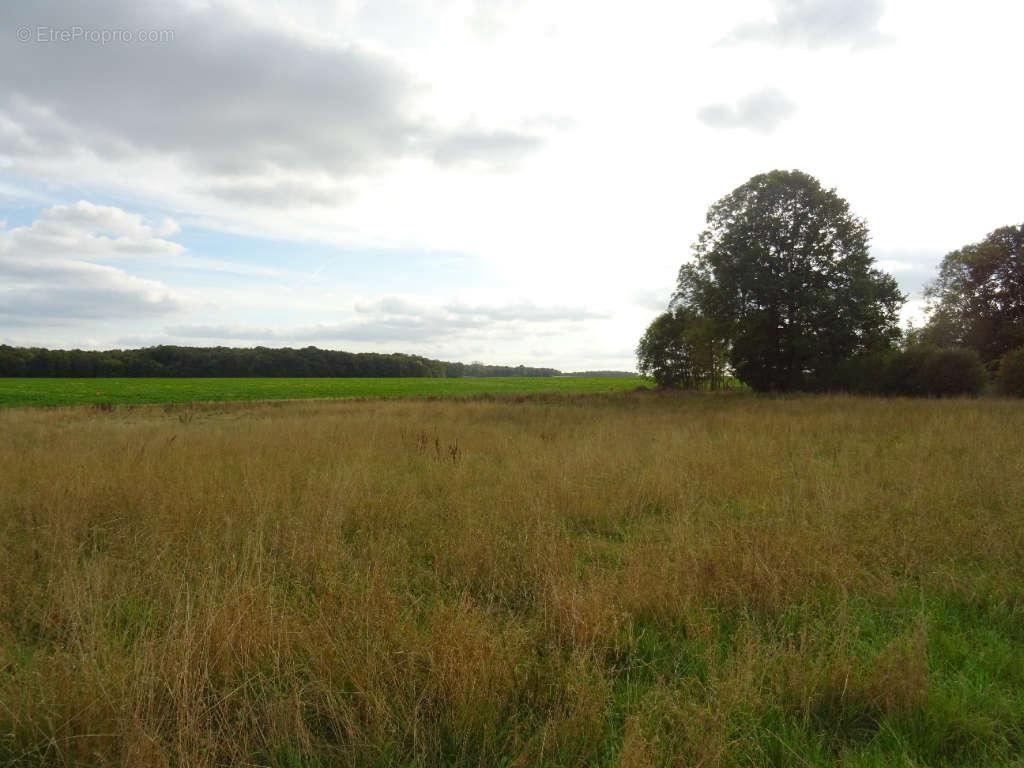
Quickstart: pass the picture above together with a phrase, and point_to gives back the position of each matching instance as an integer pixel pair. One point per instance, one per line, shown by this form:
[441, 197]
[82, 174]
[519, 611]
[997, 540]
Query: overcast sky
[499, 180]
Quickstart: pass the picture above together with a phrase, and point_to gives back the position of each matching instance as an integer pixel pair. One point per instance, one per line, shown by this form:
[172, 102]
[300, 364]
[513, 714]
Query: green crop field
[42, 392]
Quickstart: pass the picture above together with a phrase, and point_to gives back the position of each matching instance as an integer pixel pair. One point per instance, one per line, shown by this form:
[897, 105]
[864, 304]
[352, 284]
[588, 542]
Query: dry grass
[633, 580]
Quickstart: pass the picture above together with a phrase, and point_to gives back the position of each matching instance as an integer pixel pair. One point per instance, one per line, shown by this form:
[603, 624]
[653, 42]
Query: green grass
[93, 391]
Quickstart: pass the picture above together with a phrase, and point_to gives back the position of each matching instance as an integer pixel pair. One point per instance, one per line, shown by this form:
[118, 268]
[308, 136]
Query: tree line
[175, 361]
[783, 294]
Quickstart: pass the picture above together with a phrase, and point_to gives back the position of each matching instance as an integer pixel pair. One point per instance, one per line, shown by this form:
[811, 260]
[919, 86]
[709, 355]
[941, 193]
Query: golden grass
[619, 580]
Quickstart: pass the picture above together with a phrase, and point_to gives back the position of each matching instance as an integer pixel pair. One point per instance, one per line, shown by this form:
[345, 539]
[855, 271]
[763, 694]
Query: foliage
[920, 370]
[977, 301]
[680, 349]
[1011, 374]
[173, 361]
[953, 372]
[865, 374]
[784, 272]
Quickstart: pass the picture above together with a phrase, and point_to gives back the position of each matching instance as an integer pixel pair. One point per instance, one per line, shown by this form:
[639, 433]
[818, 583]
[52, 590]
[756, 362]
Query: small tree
[681, 349]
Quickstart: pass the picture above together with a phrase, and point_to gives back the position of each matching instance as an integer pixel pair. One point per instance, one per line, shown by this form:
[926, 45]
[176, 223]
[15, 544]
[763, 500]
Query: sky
[506, 181]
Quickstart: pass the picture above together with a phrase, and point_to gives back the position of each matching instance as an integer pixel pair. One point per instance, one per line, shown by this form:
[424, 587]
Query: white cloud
[229, 96]
[652, 299]
[397, 319]
[49, 274]
[912, 268]
[12, 192]
[100, 229]
[817, 24]
[763, 111]
[280, 193]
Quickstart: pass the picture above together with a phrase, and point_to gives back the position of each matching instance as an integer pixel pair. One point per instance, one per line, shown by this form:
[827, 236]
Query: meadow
[617, 579]
[103, 391]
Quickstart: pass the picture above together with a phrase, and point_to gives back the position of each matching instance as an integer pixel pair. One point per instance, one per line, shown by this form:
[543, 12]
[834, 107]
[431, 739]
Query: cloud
[482, 149]
[225, 96]
[655, 301]
[84, 231]
[391, 305]
[912, 268]
[525, 312]
[458, 314]
[817, 24]
[398, 319]
[12, 192]
[48, 274]
[279, 194]
[389, 329]
[763, 112]
[85, 218]
[488, 17]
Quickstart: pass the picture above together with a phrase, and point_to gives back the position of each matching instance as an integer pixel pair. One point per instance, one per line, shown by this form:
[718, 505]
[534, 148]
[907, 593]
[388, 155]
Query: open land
[97, 391]
[619, 579]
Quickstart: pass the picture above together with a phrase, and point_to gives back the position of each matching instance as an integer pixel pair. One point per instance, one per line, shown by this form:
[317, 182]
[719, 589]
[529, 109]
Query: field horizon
[615, 579]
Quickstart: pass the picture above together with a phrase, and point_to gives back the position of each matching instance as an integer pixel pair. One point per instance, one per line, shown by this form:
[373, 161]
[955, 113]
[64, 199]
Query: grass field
[45, 392]
[574, 580]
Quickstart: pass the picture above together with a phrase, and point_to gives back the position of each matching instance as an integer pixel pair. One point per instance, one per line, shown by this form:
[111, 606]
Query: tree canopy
[681, 349]
[977, 301]
[784, 277]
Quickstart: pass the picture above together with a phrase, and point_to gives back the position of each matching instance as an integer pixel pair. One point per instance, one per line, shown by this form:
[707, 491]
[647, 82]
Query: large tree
[977, 301]
[783, 270]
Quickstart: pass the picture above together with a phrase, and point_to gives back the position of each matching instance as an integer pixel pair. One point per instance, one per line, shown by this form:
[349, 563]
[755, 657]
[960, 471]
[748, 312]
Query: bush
[907, 372]
[1011, 374]
[954, 372]
[918, 371]
[864, 374]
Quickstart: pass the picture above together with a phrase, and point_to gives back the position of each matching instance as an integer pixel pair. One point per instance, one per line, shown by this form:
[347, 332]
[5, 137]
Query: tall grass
[634, 580]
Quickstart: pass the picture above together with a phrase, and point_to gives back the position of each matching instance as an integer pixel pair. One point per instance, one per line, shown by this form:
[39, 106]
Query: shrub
[907, 372]
[919, 371]
[865, 373]
[1011, 373]
[952, 372]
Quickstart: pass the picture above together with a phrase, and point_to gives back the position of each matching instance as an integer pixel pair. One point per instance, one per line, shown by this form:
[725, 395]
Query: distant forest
[171, 361]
